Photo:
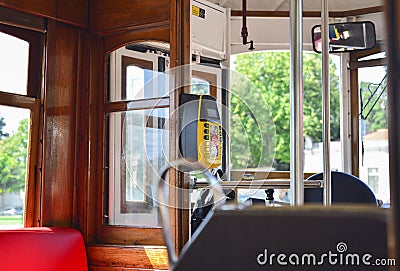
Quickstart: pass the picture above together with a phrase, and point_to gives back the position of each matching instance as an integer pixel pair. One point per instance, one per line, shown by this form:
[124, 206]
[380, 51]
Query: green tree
[13, 157]
[2, 125]
[270, 74]
[375, 110]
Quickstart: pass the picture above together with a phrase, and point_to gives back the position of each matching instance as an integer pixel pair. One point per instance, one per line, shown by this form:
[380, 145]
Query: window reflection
[200, 86]
[134, 82]
[134, 164]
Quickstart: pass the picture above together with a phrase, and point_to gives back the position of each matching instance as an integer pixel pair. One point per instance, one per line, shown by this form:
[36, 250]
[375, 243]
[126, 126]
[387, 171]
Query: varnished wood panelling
[107, 16]
[82, 136]
[21, 19]
[115, 41]
[96, 83]
[47, 8]
[17, 100]
[59, 129]
[73, 11]
[108, 268]
[355, 148]
[180, 55]
[136, 258]
[129, 235]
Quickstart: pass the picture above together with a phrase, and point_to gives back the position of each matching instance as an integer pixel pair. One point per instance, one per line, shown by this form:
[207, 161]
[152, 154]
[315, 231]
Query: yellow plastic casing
[209, 142]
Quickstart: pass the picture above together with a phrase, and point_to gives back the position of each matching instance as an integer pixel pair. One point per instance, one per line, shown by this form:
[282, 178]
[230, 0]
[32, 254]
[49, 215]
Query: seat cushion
[42, 249]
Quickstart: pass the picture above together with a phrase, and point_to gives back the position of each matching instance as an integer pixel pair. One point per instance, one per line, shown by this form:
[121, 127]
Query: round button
[206, 137]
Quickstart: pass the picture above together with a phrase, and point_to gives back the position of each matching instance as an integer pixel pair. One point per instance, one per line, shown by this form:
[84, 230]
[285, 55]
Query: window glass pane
[199, 86]
[374, 56]
[135, 75]
[374, 153]
[14, 55]
[14, 135]
[269, 72]
[138, 149]
[134, 81]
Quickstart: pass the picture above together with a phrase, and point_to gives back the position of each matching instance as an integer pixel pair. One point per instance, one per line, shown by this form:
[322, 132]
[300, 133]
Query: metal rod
[244, 27]
[244, 32]
[296, 103]
[392, 31]
[163, 202]
[326, 104]
[260, 184]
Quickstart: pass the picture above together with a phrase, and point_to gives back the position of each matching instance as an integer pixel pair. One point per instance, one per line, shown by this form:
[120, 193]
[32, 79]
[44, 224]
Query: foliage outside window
[270, 74]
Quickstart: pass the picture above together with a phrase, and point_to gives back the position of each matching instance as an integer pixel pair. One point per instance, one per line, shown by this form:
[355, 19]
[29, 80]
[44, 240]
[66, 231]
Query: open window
[259, 154]
[373, 124]
[20, 75]
[136, 124]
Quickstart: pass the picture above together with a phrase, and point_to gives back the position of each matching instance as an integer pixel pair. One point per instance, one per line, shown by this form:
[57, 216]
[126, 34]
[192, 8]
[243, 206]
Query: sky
[13, 77]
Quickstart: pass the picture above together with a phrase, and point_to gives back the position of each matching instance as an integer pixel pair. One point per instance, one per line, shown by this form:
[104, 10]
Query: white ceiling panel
[308, 5]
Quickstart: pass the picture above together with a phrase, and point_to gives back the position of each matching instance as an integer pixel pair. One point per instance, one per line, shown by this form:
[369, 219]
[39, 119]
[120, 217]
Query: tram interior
[98, 99]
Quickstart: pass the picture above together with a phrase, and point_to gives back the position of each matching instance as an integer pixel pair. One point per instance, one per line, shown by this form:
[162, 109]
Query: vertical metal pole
[296, 103]
[345, 119]
[326, 104]
[393, 38]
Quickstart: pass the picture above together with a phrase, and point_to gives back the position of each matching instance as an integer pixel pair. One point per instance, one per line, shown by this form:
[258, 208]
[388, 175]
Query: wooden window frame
[175, 31]
[35, 40]
[99, 232]
[136, 206]
[355, 64]
[32, 102]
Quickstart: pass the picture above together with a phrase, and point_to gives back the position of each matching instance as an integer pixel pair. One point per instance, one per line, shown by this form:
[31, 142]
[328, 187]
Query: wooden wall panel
[127, 258]
[47, 8]
[96, 80]
[82, 137]
[107, 16]
[113, 42]
[74, 12]
[59, 127]
[180, 55]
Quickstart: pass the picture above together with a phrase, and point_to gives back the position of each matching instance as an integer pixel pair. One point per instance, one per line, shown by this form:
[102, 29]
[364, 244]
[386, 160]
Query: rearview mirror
[344, 37]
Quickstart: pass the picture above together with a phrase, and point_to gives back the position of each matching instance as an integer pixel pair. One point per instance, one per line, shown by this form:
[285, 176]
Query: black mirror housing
[345, 37]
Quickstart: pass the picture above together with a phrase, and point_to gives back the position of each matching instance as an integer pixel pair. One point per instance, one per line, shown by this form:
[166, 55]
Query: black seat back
[346, 188]
[253, 239]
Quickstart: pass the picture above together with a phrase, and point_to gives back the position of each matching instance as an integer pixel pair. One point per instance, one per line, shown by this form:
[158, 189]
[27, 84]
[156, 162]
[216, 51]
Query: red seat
[42, 249]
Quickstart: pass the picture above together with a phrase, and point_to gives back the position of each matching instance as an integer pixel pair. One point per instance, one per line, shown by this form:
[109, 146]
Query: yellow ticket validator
[201, 130]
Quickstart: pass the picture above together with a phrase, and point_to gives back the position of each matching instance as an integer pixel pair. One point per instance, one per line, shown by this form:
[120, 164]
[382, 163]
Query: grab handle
[181, 165]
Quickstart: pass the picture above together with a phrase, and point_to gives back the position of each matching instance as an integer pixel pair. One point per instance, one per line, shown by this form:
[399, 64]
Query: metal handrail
[296, 103]
[180, 165]
[278, 184]
[326, 104]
